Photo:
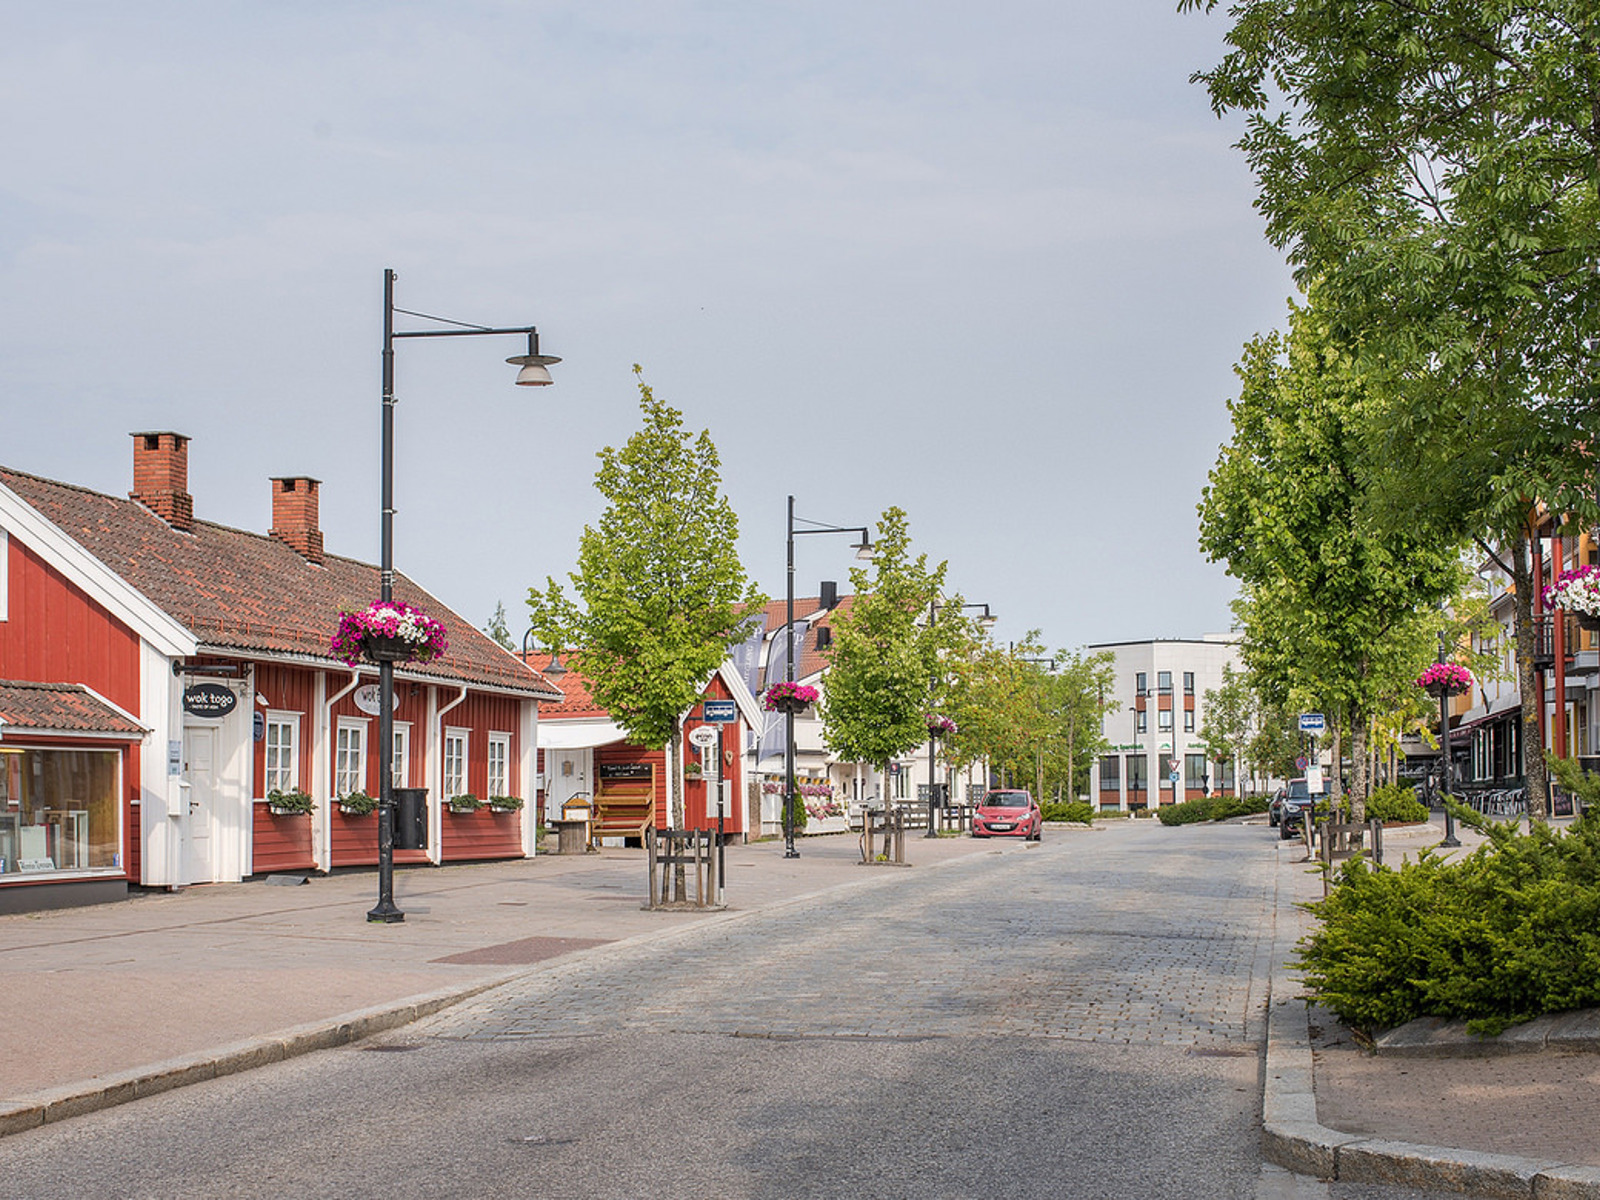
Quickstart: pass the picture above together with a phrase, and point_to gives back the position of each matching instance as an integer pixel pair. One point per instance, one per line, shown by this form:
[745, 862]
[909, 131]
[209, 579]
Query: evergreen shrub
[1501, 936]
[1210, 808]
[1080, 812]
[1395, 802]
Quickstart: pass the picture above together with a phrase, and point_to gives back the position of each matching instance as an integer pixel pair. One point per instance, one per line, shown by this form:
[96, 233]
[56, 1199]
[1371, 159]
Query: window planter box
[278, 810]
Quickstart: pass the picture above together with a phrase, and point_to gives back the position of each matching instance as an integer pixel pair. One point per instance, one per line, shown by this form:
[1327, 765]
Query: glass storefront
[59, 810]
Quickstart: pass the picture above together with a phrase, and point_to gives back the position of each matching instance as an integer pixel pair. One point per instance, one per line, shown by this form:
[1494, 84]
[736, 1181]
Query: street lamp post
[534, 373]
[863, 550]
[1450, 838]
[933, 740]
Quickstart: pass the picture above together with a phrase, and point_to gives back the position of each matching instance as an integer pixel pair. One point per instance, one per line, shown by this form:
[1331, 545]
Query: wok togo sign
[209, 700]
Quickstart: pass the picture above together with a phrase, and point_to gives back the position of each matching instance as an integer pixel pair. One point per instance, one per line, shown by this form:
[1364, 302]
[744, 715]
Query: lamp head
[534, 365]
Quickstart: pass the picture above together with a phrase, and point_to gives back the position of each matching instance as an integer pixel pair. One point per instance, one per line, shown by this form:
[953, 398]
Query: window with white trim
[499, 781]
[282, 752]
[350, 757]
[400, 765]
[455, 762]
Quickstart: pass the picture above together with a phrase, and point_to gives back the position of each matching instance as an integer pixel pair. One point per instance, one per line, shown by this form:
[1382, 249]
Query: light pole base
[385, 913]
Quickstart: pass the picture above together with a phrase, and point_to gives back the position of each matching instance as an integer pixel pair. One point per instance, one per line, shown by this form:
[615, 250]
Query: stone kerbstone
[1401, 1163]
[1304, 1147]
[1567, 1183]
[1575, 1031]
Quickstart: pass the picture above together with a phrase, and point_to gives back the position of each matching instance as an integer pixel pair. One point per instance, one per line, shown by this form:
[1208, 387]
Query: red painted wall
[55, 633]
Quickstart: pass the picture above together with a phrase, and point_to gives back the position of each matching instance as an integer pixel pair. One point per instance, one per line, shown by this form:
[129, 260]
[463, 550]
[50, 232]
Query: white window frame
[291, 722]
[400, 764]
[1163, 720]
[341, 775]
[453, 777]
[499, 764]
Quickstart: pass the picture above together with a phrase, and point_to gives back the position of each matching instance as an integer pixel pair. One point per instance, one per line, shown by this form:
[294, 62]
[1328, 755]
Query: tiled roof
[811, 660]
[576, 700]
[246, 593]
[63, 707]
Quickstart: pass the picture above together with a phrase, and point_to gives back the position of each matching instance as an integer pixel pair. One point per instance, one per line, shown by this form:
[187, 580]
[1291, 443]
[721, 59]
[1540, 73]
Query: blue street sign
[723, 711]
[1312, 723]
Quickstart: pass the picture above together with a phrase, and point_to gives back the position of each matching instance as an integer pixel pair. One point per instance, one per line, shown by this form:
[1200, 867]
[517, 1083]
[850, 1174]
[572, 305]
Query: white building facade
[1153, 720]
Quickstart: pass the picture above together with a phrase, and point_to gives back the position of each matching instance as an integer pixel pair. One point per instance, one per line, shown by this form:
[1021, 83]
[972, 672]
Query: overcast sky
[990, 262]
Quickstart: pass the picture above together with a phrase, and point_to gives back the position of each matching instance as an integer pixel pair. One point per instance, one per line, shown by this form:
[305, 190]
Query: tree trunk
[1359, 783]
[1529, 683]
[1336, 775]
[680, 883]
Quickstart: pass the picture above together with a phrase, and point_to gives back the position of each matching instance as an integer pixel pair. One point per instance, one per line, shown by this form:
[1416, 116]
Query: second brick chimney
[294, 516]
[161, 477]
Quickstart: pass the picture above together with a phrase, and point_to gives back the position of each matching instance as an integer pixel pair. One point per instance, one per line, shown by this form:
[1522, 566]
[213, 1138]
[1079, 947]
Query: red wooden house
[160, 676]
[585, 755]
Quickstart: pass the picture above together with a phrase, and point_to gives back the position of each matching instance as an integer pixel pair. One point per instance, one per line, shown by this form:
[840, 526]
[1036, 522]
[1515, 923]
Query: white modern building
[1153, 721]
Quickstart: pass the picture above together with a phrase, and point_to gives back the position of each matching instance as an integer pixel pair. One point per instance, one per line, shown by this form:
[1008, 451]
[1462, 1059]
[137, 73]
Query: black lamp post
[1450, 838]
[933, 738]
[534, 373]
[863, 550]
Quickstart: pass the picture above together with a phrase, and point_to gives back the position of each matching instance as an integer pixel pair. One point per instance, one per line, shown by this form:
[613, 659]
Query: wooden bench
[624, 808]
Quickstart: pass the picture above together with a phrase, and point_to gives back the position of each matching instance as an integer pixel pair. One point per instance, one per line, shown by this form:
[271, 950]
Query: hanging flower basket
[1445, 679]
[938, 726]
[788, 697]
[388, 631]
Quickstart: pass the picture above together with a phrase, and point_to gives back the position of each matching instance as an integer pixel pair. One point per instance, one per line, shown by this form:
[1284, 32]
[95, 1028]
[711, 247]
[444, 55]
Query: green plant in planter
[506, 803]
[358, 804]
[292, 803]
[465, 803]
[1393, 802]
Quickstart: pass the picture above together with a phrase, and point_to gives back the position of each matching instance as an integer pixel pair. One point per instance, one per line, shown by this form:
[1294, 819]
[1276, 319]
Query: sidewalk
[116, 1001]
[1491, 1124]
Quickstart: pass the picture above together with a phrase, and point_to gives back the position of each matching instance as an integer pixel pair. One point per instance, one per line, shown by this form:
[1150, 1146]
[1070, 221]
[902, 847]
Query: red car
[1008, 813]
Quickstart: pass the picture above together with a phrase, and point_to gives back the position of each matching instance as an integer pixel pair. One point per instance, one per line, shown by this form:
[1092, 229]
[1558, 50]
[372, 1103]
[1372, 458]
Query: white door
[200, 770]
[569, 779]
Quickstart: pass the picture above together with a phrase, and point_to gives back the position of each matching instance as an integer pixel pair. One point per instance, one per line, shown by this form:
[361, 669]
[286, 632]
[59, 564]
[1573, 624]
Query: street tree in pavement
[1435, 170]
[663, 593]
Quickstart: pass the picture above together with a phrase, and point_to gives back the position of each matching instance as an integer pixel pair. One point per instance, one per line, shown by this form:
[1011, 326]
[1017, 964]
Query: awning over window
[62, 710]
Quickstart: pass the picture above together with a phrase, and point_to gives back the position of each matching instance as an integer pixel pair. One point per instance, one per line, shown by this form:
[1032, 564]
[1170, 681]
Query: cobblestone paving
[1134, 935]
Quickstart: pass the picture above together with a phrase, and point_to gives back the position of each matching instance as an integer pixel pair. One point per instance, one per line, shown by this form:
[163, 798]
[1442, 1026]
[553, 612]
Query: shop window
[59, 811]
[1194, 771]
[1110, 774]
[455, 762]
[400, 765]
[350, 757]
[1225, 780]
[1138, 772]
[499, 764]
[282, 752]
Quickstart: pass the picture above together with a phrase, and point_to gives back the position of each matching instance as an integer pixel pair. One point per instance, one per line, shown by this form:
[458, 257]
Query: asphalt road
[1081, 1019]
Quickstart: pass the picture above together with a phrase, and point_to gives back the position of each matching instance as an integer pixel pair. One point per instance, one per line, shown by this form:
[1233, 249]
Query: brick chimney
[294, 516]
[161, 477]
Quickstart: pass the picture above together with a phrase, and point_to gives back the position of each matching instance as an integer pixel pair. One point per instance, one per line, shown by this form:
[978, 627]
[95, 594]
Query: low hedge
[1080, 812]
[1210, 808]
[1395, 803]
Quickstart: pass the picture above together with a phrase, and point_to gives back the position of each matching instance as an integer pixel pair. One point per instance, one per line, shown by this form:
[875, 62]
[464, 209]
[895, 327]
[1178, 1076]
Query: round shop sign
[209, 700]
[704, 735]
[368, 699]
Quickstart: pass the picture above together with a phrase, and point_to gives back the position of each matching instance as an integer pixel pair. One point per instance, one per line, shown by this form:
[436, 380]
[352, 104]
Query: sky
[990, 263]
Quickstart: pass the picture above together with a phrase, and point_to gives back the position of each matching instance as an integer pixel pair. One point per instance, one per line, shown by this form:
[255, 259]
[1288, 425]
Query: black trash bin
[410, 818]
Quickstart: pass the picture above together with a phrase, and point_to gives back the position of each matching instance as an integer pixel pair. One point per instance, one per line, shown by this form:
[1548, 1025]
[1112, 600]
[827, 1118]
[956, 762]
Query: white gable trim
[103, 585]
[5, 575]
[749, 708]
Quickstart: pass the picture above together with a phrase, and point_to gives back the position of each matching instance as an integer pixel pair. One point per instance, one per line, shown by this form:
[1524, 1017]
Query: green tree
[1232, 716]
[1436, 167]
[1335, 610]
[663, 593]
[496, 628]
[884, 663]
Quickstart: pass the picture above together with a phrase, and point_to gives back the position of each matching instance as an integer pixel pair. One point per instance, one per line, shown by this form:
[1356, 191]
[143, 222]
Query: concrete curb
[1292, 1137]
[107, 1091]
